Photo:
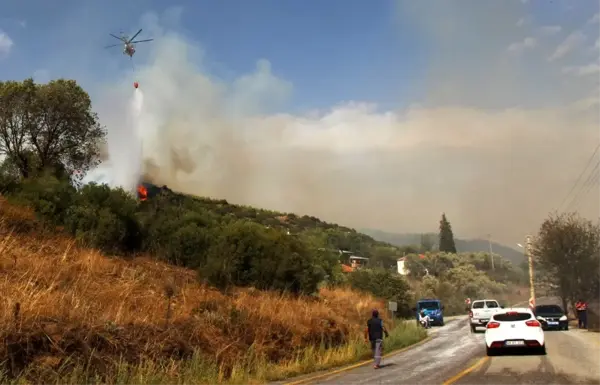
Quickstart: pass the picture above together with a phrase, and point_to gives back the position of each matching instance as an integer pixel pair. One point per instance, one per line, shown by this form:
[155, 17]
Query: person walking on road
[374, 333]
[581, 308]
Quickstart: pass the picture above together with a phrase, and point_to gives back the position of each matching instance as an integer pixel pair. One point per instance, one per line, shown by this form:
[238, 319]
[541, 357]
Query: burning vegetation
[146, 190]
[142, 192]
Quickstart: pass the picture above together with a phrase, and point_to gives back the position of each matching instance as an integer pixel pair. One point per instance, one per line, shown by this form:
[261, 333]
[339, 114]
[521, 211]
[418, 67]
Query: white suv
[481, 312]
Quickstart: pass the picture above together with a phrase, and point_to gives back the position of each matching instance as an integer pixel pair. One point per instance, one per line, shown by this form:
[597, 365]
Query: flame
[142, 192]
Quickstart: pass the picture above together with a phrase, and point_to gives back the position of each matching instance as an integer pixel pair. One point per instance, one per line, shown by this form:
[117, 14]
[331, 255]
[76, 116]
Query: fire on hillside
[147, 191]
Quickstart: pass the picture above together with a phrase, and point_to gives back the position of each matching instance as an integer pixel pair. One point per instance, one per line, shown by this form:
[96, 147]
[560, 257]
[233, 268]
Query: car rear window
[478, 305]
[512, 317]
[491, 304]
[548, 309]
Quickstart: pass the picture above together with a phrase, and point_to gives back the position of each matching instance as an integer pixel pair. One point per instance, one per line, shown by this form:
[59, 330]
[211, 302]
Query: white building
[402, 270]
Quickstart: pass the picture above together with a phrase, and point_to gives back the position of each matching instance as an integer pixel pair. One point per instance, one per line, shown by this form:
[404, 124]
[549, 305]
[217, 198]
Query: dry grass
[67, 311]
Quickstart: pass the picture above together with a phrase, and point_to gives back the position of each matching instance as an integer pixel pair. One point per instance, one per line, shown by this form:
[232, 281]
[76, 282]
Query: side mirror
[442, 307]
[414, 309]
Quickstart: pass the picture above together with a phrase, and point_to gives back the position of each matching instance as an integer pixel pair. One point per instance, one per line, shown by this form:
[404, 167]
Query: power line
[579, 178]
[593, 183]
[587, 185]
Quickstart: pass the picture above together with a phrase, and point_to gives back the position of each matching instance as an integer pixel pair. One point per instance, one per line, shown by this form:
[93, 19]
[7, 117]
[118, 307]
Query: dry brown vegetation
[63, 305]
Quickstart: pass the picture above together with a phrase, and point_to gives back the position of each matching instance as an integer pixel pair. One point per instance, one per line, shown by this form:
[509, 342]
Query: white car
[514, 328]
[481, 311]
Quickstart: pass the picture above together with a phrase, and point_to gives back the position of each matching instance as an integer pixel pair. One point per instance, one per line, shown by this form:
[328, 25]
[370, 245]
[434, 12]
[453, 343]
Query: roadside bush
[384, 284]
[248, 254]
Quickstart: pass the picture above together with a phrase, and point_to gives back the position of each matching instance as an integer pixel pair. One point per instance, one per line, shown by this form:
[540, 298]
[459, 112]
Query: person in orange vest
[581, 308]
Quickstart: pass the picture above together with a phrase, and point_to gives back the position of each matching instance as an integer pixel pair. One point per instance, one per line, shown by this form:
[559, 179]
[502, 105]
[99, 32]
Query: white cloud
[550, 30]
[573, 41]
[6, 44]
[23, 23]
[528, 42]
[590, 69]
[595, 19]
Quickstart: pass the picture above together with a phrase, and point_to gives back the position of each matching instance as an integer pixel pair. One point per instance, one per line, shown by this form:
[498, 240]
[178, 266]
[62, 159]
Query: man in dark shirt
[374, 333]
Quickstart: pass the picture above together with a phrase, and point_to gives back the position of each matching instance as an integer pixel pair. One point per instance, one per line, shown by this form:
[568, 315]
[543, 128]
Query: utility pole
[530, 261]
[491, 252]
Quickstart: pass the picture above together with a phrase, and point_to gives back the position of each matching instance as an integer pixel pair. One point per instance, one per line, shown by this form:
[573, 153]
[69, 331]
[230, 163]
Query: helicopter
[129, 47]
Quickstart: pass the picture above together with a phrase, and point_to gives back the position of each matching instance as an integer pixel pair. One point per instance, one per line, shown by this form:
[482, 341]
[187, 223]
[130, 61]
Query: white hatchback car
[514, 328]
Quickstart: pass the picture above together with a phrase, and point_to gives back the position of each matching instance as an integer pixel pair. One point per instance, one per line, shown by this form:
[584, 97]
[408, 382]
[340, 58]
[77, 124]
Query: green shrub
[248, 254]
[104, 218]
[384, 284]
[48, 196]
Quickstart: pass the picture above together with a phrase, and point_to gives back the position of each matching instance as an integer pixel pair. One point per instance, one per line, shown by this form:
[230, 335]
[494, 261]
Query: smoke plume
[496, 144]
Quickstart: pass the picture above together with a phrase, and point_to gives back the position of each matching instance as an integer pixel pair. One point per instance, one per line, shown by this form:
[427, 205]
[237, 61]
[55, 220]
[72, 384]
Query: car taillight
[533, 323]
[493, 325]
[470, 314]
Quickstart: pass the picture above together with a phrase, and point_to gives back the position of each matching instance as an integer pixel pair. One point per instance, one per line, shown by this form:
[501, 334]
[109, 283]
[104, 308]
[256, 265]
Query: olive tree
[48, 127]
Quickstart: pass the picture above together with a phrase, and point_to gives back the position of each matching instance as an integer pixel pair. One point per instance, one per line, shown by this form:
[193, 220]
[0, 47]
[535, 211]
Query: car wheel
[442, 323]
[473, 329]
[543, 350]
[566, 327]
[490, 352]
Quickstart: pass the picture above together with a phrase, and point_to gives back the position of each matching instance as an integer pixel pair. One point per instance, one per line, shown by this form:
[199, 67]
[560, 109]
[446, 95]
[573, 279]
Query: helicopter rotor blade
[117, 37]
[141, 41]
[114, 45]
[134, 36]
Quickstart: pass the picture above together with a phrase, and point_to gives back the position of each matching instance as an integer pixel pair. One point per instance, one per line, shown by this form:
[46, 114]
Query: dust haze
[498, 141]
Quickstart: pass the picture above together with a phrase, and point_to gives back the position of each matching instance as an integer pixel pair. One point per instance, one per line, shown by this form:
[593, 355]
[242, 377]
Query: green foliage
[48, 196]
[247, 254]
[48, 127]
[104, 218]
[446, 236]
[383, 284]
[566, 254]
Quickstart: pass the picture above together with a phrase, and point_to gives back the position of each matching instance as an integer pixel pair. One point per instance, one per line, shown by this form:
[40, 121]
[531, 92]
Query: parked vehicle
[481, 312]
[514, 328]
[551, 317]
[433, 308]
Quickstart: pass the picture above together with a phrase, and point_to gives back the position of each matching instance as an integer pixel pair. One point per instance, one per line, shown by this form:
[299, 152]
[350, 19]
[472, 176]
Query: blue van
[433, 308]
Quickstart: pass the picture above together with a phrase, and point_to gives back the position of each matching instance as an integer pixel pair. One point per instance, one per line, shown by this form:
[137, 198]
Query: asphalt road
[573, 357]
[452, 347]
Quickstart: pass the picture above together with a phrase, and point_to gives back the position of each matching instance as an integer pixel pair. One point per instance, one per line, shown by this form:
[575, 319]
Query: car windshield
[491, 304]
[430, 305]
[512, 317]
[478, 305]
[552, 309]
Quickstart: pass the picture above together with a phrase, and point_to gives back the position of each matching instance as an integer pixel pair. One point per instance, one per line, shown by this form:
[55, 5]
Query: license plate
[552, 323]
[514, 343]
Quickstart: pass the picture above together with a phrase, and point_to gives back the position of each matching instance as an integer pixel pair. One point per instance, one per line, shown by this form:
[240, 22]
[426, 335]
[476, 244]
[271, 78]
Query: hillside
[72, 315]
[462, 245]
[192, 300]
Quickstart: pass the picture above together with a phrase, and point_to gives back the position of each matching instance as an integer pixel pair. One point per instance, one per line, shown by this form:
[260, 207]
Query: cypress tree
[446, 237]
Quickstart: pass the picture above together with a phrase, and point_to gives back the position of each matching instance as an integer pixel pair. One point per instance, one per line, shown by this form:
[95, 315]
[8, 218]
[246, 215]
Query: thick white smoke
[123, 168]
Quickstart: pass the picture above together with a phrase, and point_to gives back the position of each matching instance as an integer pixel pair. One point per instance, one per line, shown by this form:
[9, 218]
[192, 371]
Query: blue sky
[336, 51]
[412, 108]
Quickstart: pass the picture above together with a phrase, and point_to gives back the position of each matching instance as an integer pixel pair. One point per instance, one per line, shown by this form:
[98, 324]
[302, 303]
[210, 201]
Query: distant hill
[462, 245]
